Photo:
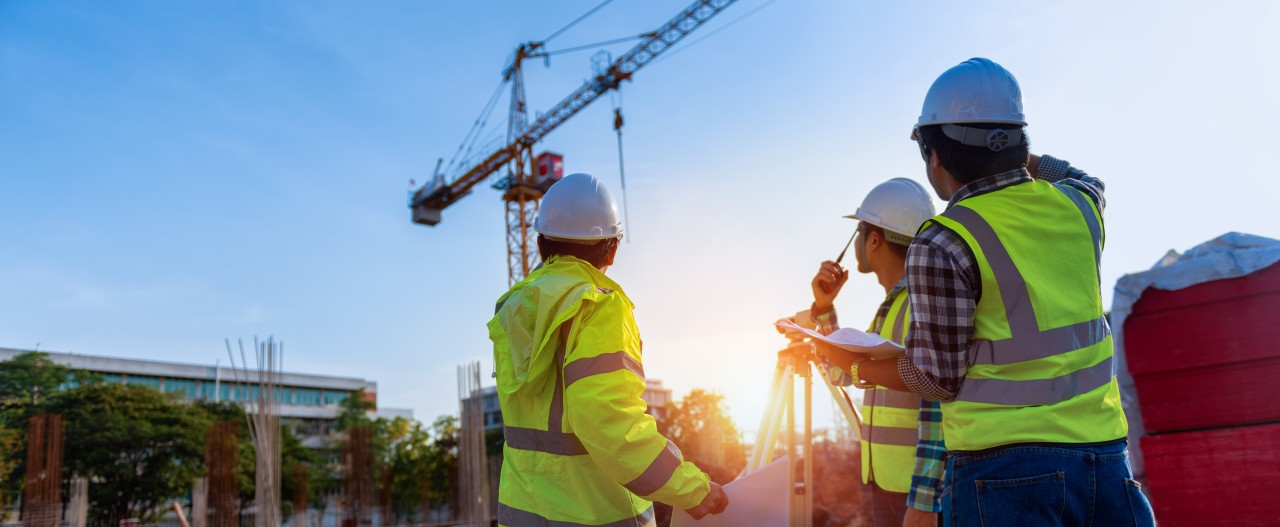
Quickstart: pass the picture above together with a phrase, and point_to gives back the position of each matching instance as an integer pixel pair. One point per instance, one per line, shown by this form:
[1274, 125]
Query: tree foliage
[414, 466]
[27, 381]
[700, 425]
[141, 448]
[137, 446]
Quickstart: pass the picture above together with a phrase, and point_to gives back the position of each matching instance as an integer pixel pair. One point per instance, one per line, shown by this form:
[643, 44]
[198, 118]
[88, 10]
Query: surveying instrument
[797, 360]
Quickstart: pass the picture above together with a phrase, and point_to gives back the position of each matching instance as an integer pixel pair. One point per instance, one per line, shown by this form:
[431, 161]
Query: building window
[184, 387]
[144, 380]
[306, 397]
[70, 383]
[247, 393]
[111, 378]
[334, 398]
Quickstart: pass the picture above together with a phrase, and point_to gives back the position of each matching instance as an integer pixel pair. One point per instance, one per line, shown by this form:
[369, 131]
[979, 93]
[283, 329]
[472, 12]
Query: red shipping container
[1214, 477]
[1208, 355]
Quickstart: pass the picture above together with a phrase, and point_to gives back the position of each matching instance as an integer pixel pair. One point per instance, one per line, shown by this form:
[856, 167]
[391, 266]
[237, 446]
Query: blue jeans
[1059, 485]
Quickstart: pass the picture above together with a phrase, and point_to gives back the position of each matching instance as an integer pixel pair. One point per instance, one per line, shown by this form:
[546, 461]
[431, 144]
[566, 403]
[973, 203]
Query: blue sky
[176, 173]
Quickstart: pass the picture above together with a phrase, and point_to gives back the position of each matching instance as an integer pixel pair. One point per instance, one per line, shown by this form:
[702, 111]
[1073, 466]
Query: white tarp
[1231, 255]
[758, 499]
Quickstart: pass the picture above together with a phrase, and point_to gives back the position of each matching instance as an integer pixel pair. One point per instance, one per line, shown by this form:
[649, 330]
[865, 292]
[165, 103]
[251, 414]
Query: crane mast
[522, 188]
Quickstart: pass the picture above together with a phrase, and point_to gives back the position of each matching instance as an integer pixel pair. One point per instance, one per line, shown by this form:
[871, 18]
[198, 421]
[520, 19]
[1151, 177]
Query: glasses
[924, 150]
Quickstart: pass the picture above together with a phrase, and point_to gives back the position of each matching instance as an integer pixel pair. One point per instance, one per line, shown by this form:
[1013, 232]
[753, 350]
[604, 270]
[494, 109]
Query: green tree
[138, 446]
[700, 425]
[27, 377]
[443, 463]
[292, 456]
[355, 411]
[27, 383]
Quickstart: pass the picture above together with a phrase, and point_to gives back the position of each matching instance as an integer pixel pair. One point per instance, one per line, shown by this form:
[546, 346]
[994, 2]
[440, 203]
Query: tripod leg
[762, 433]
[847, 408]
[795, 507]
[806, 519]
[784, 399]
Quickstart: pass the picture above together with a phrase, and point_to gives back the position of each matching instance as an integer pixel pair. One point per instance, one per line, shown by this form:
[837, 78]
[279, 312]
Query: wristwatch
[853, 374]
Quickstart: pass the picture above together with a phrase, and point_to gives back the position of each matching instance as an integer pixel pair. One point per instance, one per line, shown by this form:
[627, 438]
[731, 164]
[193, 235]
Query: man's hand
[827, 283]
[918, 518]
[714, 503]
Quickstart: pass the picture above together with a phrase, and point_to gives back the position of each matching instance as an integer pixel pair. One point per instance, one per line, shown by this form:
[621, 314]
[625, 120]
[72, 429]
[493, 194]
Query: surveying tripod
[796, 360]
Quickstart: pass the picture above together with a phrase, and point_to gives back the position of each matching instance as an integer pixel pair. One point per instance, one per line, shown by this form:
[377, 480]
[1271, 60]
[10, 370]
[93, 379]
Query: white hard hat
[899, 206]
[578, 207]
[975, 91]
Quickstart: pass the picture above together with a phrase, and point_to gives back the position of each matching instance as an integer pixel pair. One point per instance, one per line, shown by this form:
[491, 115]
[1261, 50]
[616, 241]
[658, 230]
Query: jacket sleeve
[604, 380]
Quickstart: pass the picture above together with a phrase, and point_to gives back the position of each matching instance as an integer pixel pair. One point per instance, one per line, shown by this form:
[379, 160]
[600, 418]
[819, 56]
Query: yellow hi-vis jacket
[890, 417]
[1040, 363]
[580, 449]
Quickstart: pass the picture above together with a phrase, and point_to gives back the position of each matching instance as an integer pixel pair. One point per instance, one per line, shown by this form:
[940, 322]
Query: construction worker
[888, 219]
[580, 449]
[1008, 328]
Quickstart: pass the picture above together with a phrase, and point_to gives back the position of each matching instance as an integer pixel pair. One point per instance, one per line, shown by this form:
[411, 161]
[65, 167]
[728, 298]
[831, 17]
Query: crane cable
[469, 141]
[727, 25]
[593, 46]
[575, 22]
[477, 127]
[622, 173]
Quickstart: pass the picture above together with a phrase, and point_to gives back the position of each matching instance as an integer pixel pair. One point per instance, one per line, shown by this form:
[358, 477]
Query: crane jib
[693, 17]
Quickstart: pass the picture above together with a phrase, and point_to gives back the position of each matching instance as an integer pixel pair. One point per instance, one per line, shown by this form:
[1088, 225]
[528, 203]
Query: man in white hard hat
[901, 438]
[1008, 328]
[580, 449]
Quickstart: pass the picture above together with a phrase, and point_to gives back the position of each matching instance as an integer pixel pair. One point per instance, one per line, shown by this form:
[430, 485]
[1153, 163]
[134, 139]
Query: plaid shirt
[926, 477]
[944, 284]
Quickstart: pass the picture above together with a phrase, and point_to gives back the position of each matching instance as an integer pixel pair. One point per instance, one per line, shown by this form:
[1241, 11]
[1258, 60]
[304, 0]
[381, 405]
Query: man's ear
[875, 240]
[613, 251]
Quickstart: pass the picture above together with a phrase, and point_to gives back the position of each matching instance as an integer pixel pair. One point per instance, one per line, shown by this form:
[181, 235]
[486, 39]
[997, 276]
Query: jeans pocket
[1037, 500]
[1139, 506]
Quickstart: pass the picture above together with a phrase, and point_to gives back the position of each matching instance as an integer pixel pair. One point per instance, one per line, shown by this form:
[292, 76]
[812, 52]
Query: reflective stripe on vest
[885, 435]
[657, 473]
[1024, 384]
[1095, 230]
[565, 392]
[1027, 341]
[552, 440]
[513, 517]
[609, 362]
[890, 429]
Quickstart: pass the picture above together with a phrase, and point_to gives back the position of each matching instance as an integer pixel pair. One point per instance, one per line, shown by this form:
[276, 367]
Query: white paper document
[758, 499]
[850, 339]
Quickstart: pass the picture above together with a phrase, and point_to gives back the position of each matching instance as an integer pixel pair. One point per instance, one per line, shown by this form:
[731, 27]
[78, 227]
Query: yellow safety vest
[890, 428]
[1040, 362]
[580, 449]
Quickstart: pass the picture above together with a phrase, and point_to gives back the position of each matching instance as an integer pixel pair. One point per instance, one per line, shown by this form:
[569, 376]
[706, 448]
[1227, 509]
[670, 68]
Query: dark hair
[970, 163]
[897, 249]
[596, 254]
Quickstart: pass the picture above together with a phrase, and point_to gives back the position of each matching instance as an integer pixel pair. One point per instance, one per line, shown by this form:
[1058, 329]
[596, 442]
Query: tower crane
[528, 177]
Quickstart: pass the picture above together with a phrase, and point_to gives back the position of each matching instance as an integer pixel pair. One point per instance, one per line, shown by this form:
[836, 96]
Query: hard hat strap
[995, 139]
